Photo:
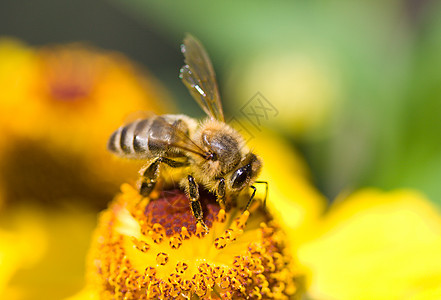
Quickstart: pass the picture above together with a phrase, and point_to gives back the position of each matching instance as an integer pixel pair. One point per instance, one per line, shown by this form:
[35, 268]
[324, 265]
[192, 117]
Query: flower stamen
[242, 255]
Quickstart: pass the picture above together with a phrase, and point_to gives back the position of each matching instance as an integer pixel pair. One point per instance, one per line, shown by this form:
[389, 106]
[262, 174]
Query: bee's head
[246, 173]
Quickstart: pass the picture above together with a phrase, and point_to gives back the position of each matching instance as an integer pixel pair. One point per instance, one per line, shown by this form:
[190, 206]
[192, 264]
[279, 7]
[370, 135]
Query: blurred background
[355, 86]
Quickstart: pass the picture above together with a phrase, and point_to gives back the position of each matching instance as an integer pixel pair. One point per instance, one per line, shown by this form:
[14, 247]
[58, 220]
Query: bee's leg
[220, 193]
[173, 163]
[150, 175]
[196, 208]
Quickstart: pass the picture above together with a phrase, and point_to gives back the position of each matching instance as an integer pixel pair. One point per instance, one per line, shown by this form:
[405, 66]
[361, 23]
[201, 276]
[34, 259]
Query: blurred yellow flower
[22, 245]
[42, 251]
[376, 245]
[58, 106]
[303, 87]
[291, 196]
[74, 86]
[369, 245]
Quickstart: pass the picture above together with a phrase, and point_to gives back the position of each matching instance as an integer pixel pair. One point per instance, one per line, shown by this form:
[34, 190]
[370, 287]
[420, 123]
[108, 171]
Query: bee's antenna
[254, 193]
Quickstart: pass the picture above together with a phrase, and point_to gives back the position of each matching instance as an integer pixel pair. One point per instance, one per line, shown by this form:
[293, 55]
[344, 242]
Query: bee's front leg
[220, 193]
[195, 205]
[151, 173]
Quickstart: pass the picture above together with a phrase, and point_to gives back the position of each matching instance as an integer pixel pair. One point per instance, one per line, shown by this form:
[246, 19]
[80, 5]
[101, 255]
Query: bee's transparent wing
[177, 137]
[199, 77]
[137, 115]
[171, 135]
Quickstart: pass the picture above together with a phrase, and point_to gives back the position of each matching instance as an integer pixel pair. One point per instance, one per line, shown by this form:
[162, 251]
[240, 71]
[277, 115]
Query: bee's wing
[175, 136]
[199, 77]
[178, 138]
[137, 115]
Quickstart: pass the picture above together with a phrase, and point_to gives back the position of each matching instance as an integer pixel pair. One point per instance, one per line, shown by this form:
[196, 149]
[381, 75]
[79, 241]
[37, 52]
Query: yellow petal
[291, 196]
[44, 250]
[86, 294]
[20, 247]
[376, 245]
[17, 63]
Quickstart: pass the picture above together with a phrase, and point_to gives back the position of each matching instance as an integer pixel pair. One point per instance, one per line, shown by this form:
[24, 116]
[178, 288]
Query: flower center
[172, 211]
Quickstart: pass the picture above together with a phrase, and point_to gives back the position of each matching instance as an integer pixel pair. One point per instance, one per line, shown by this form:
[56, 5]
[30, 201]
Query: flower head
[153, 248]
[58, 107]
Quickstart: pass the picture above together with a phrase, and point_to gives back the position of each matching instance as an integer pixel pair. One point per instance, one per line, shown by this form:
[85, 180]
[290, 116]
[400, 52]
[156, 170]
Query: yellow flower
[82, 90]
[370, 245]
[302, 85]
[60, 103]
[376, 245]
[22, 245]
[291, 196]
[152, 248]
[42, 251]
[58, 106]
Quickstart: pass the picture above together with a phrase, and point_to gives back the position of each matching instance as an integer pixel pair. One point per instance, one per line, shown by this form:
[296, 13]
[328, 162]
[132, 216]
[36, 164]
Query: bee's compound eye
[240, 177]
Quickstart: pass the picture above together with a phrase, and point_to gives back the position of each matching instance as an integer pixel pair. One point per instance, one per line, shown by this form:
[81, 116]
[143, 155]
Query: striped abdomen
[148, 138]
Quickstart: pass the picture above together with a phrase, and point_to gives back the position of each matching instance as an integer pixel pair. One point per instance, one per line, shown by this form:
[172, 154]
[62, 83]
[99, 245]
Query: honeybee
[214, 154]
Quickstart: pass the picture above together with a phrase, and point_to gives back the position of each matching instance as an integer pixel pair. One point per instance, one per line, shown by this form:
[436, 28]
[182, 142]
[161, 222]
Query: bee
[214, 154]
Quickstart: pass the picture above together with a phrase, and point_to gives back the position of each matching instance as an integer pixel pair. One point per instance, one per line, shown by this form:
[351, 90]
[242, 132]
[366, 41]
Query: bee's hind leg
[149, 177]
[195, 205]
[151, 173]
